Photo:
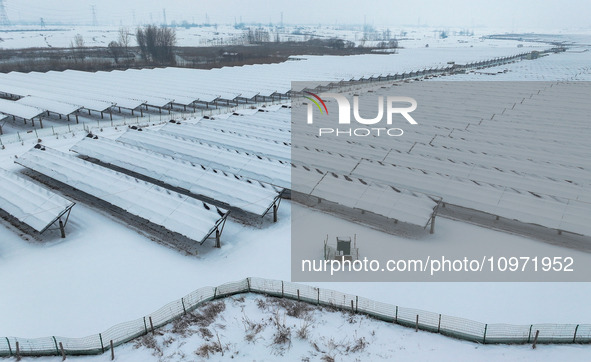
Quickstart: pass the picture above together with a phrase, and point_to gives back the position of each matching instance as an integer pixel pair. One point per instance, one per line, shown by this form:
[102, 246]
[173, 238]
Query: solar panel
[269, 170]
[176, 212]
[19, 110]
[30, 204]
[379, 198]
[229, 139]
[235, 191]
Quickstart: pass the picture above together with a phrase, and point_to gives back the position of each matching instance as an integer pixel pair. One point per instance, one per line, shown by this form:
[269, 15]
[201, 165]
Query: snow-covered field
[31, 36]
[106, 272]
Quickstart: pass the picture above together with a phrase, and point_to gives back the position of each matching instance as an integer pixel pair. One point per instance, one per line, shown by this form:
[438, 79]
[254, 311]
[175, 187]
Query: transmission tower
[94, 21]
[164, 16]
[3, 17]
[42, 23]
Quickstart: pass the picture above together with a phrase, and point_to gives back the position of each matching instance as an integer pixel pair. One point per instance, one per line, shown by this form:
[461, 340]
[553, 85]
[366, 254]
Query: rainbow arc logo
[316, 103]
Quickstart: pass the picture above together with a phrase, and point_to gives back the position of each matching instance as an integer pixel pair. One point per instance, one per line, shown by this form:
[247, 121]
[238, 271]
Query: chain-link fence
[459, 328]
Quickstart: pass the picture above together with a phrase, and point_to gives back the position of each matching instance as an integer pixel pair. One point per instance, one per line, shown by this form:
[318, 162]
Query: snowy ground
[119, 274]
[105, 272]
[31, 36]
[257, 328]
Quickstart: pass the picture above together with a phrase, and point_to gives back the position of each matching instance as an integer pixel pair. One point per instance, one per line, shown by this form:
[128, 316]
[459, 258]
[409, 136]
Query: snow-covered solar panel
[269, 170]
[23, 90]
[176, 212]
[379, 198]
[236, 191]
[50, 105]
[513, 203]
[46, 81]
[30, 204]
[251, 144]
[282, 135]
[20, 110]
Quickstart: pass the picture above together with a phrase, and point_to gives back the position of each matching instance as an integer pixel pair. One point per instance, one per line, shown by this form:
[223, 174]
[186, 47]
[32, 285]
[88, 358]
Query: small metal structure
[343, 250]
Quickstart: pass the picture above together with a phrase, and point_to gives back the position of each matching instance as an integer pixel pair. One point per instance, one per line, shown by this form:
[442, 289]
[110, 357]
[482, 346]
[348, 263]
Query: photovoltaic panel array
[234, 191]
[264, 169]
[30, 204]
[176, 212]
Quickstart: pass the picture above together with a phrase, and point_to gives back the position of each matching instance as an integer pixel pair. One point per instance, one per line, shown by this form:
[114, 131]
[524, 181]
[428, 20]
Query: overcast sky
[508, 14]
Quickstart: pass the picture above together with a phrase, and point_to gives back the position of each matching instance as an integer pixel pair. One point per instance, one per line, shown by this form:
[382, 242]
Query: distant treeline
[153, 46]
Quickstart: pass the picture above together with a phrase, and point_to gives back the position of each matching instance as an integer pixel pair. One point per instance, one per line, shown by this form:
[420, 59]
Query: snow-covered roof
[176, 212]
[20, 110]
[30, 204]
[236, 191]
[273, 171]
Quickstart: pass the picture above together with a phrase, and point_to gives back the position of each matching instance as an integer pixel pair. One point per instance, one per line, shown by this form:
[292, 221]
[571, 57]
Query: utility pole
[164, 16]
[3, 17]
[94, 21]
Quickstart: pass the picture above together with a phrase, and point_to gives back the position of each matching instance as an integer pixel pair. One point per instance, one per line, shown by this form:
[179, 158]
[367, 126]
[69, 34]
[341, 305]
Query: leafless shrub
[359, 346]
[302, 332]
[239, 299]
[166, 342]
[282, 336]
[293, 308]
[327, 358]
[205, 333]
[261, 304]
[208, 348]
[148, 341]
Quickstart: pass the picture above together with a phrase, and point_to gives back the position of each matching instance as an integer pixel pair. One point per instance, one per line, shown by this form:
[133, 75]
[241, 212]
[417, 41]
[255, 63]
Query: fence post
[248, 283]
[9, 348]
[318, 303]
[215, 292]
[535, 339]
[484, 338]
[112, 351]
[18, 352]
[352, 306]
[282, 293]
[151, 324]
[145, 325]
[62, 350]
[439, 325]
[57, 350]
[396, 316]
[356, 304]
[298, 295]
[529, 336]
[183, 302]
[575, 336]
[417, 324]
[102, 345]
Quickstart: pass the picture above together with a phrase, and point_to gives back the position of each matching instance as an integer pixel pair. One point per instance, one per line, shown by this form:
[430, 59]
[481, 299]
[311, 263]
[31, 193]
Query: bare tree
[124, 39]
[77, 47]
[157, 44]
[115, 50]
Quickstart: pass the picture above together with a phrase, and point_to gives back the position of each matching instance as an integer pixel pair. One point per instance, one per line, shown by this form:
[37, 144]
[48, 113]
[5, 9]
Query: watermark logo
[345, 114]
